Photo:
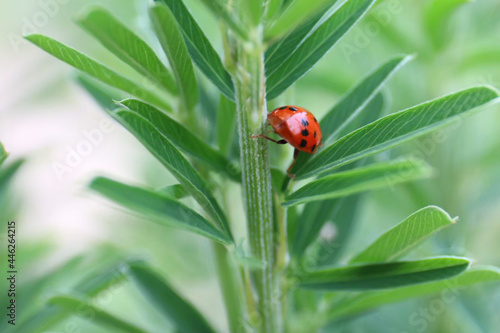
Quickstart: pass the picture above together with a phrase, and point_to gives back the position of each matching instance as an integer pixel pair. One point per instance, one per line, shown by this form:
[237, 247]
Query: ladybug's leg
[280, 142]
[295, 155]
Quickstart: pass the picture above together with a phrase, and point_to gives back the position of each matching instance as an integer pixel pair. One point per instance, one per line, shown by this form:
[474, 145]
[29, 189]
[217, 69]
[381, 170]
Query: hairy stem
[251, 104]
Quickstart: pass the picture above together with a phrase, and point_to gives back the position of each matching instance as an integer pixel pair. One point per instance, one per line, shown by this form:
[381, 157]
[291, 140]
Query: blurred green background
[44, 115]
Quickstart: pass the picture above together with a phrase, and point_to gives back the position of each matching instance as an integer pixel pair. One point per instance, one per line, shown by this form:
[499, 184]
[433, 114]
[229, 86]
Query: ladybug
[296, 126]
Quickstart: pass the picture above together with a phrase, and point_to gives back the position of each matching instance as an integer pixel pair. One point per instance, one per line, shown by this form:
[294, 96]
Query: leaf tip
[490, 88]
[32, 37]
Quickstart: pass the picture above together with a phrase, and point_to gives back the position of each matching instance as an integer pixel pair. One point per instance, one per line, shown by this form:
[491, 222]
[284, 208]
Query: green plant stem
[251, 107]
[231, 288]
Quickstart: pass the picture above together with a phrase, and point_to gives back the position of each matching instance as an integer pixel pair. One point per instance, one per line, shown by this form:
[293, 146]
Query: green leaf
[157, 206]
[404, 237]
[97, 70]
[173, 160]
[3, 153]
[176, 191]
[201, 50]
[383, 275]
[172, 42]
[298, 12]
[277, 53]
[369, 113]
[453, 288]
[226, 124]
[358, 180]
[349, 107]
[90, 286]
[127, 46]
[316, 45]
[77, 306]
[184, 316]
[181, 137]
[358, 100]
[397, 128]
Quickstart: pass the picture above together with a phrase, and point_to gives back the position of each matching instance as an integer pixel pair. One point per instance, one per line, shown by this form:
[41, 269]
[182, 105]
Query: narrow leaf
[298, 12]
[384, 275]
[90, 286]
[346, 183]
[157, 206]
[172, 42]
[100, 317]
[127, 46]
[354, 101]
[281, 50]
[96, 70]
[181, 136]
[201, 50]
[316, 46]
[337, 210]
[451, 287]
[184, 316]
[173, 160]
[368, 114]
[404, 237]
[397, 128]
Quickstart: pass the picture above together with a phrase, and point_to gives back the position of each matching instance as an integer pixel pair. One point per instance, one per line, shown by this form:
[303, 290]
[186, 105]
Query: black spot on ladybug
[316, 120]
[305, 132]
[303, 143]
[291, 108]
[315, 133]
[304, 122]
[313, 147]
[283, 107]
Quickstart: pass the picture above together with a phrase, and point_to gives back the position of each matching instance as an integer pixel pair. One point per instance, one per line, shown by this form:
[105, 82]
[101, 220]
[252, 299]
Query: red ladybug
[296, 126]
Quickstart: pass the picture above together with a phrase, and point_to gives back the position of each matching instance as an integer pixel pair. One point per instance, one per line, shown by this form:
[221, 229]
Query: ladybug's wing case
[301, 131]
[297, 126]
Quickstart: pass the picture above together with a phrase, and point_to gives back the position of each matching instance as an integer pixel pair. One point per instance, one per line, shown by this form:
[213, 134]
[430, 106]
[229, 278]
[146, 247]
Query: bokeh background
[45, 115]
